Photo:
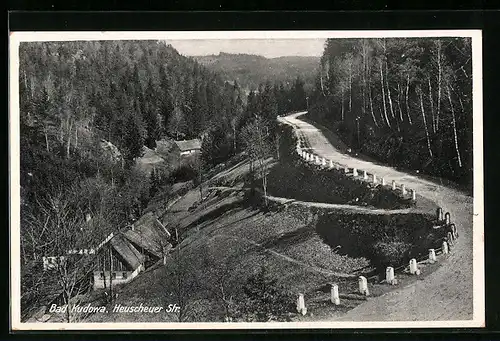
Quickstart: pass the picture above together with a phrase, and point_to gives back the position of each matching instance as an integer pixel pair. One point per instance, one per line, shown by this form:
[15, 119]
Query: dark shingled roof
[127, 251]
[149, 234]
[188, 144]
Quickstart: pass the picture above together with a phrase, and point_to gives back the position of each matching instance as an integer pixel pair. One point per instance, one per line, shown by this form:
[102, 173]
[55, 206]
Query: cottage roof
[149, 156]
[188, 144]
[127, 251]
[148, 233]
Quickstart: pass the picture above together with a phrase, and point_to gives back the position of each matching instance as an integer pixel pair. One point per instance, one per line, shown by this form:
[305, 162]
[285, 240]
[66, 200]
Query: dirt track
[446, 294]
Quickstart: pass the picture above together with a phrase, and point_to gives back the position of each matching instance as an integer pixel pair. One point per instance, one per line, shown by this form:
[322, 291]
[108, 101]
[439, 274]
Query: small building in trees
[149, 160]
[118, 262]
[188, 147]
[122, 256]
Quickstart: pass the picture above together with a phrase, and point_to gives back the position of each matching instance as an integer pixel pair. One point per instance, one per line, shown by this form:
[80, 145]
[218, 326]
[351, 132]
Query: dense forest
[252, 70]
[404, 101]
[76, 97]
[73, 94]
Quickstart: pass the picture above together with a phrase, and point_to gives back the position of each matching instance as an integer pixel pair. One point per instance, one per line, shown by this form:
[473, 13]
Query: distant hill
[251, 70]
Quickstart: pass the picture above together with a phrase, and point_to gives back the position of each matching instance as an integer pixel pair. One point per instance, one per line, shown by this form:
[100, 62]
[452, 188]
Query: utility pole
[200, 170]
[357, 125]
[110, 272]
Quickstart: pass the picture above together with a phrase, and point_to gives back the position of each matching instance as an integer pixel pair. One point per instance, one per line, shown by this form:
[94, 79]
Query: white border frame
[14, 177]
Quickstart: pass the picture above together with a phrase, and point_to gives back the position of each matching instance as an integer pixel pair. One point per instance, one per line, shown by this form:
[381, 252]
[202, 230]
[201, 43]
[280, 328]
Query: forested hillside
[86, 111]
[404, 101]
[74, 94]
[251, 70]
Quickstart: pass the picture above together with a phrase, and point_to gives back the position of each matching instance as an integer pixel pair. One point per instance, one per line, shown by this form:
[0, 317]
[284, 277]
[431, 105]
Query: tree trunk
[69, 140]
[68, 307]
[390, 105]
[104, 269]
[407, 102]
[201, 182]
[388, 91]
[439, 86]
[432, 106]
[277, 146]
[371, 107]
[399, 103]
[425, 123]
[350, 87]
[234, 137]
[46, 140]
[383, 94]
[110, 272]
[454, 127]
[264, 187]
[342, 110]
[76, 137]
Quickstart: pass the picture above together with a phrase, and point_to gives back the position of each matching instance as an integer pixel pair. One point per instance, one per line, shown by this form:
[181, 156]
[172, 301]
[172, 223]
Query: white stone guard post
[323, 162]
[432, 256]
[383, 182]
[403, 189]
[365, 175]
[445, 248]
[363, 286]
[414, 267]
[331, 164]
[354, 172]
[393, 185]
[374, 179]
[346, 169]
[439, 214]
[389, 275]
[301, 305]
[449, 238]
[413, 195]
[335, 298]
[447, 218]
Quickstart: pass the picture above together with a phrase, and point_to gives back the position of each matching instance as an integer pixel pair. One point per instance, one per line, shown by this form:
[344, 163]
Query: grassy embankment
[228, 237]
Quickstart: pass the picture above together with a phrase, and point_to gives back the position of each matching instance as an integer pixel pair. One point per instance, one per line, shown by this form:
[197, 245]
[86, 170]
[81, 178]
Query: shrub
[265, 299]
[391, 253]
[183, 173]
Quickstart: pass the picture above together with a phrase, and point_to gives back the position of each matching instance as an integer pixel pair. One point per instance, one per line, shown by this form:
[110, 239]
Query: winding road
[447, 293]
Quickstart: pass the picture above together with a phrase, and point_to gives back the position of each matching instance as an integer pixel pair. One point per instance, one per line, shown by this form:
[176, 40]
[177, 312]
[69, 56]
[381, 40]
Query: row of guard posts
[443, 221]
[323, 162]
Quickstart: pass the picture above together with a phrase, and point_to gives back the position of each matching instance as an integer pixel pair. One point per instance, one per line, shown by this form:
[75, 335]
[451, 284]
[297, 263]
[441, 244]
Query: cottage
[123, 256]
[188, 147]
[118, 262]
[149, 160]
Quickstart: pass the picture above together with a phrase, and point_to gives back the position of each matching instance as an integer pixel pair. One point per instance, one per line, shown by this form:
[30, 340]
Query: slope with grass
[452, 285]
[228, 236]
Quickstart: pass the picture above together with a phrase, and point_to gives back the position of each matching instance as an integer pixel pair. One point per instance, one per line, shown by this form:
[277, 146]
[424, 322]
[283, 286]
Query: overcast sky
[265, 47]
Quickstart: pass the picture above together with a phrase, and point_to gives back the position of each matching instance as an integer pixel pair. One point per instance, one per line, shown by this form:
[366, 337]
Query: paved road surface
[443, 295]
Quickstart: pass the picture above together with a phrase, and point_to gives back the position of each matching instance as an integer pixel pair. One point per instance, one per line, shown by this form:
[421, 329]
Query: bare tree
[454, 125]
[425, 122]
[55, 231]
[255, 136]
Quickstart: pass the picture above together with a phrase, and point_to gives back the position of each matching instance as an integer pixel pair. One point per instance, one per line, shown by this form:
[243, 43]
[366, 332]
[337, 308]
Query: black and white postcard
[246, 179]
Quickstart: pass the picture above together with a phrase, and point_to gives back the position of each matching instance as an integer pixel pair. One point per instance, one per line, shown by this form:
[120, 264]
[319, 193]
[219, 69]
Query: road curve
[446, 294]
